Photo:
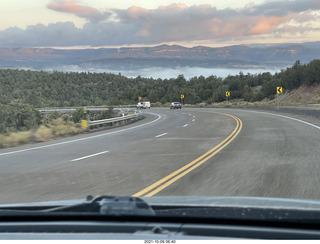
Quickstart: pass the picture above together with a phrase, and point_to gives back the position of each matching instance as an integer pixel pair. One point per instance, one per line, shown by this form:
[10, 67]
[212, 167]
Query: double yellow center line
[171, 178]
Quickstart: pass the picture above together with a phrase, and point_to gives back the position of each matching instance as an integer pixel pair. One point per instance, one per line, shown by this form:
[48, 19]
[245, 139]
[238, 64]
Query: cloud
[59, 34]
[73, 7]
[172, 23]
[267, 24]
[282, 8]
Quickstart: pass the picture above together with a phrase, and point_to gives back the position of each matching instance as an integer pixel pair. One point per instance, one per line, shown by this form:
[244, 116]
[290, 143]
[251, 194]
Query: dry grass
[43, 133]
[56, 128]
[157, 104]
[15, 139]
[59, 127]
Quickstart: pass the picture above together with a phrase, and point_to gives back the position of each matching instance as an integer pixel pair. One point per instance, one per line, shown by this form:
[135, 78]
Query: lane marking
[81, 139]
[89, 156]
[193, 120]
[286, 117]
[176, 175]
[161, 135]
[185, 125]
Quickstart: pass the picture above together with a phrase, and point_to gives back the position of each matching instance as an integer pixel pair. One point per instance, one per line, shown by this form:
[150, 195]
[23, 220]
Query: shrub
[17, 116]
[43, 133]
[54, 115]
[79, 115]
[15, 139]
[60, 128]
[2, 140]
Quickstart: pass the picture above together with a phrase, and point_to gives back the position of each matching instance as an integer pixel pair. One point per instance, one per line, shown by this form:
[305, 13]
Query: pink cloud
[134, 13]
[173, 23]
[249, 5]
[266, 24]
[174, 6]
[72, 6]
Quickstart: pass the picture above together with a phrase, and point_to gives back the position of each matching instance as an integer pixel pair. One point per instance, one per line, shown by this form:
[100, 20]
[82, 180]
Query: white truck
[143, 105]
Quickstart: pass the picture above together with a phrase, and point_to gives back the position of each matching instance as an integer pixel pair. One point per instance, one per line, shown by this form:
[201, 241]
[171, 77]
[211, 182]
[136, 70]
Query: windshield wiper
[101, 205]
[117, 206]
[108, 205]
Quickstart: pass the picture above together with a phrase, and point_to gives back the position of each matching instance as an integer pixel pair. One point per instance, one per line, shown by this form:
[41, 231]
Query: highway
[210, 152]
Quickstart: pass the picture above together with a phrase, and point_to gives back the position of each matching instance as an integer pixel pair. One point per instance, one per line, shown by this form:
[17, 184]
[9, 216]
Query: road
[214, 152]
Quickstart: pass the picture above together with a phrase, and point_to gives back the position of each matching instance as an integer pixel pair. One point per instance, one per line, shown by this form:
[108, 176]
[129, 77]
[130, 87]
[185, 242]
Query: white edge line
[283, 116]
[89, 156]
[161, 135]
[185, 125]
[81, 139]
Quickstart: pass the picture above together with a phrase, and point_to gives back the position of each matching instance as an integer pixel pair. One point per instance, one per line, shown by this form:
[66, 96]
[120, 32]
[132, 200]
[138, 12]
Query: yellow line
[194, 164]
[184, 167]
[160, 188]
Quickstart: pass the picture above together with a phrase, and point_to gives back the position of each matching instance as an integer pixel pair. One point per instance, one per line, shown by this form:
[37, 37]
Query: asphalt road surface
[196, 152]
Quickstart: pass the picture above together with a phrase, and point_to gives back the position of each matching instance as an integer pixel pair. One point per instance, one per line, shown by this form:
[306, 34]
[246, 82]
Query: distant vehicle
[143, 105]
[175, 105]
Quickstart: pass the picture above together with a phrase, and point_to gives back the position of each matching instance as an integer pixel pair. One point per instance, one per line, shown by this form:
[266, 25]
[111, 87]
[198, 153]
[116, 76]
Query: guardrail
[87, 107]
[113, 121]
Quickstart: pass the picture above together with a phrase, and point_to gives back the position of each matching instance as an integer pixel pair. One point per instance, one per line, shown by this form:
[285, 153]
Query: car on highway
[175, 105]
[143, 105]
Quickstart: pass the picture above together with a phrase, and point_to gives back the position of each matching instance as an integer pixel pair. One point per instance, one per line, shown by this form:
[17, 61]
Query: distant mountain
[240, 56]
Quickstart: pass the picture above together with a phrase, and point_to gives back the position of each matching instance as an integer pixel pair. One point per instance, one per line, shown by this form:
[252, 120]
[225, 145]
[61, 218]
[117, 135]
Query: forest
[22, 91]
[59, 89]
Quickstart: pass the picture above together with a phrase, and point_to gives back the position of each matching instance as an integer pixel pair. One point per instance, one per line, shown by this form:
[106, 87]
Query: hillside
[241, 56]
[52, 89]
[302, 96]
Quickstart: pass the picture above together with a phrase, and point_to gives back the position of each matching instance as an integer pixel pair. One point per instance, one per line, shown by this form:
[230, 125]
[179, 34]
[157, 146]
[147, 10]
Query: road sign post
[227, 95]
[182, 98]
[85, 112]
[279, 91]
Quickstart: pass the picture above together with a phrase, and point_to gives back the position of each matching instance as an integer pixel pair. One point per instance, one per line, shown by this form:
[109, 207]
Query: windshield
[159, 98]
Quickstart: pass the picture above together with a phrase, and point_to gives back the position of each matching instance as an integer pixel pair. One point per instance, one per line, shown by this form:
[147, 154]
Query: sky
[106, 23]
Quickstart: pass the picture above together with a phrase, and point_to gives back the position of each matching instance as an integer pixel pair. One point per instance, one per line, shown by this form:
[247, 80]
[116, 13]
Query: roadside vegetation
[59, 89]
[21, 123]
[22, 91]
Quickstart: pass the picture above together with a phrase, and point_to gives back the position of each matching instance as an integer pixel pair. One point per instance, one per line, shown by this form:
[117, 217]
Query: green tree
[17, 116]
[79, 115]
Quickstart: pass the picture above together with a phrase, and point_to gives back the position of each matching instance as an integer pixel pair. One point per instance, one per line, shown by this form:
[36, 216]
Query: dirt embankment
[304, 95]
[302, 103]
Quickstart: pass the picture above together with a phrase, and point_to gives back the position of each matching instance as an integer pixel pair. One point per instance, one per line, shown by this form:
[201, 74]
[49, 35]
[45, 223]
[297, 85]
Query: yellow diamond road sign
[279, 90]
[139, 98]
[227, 94]
[182, 96]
